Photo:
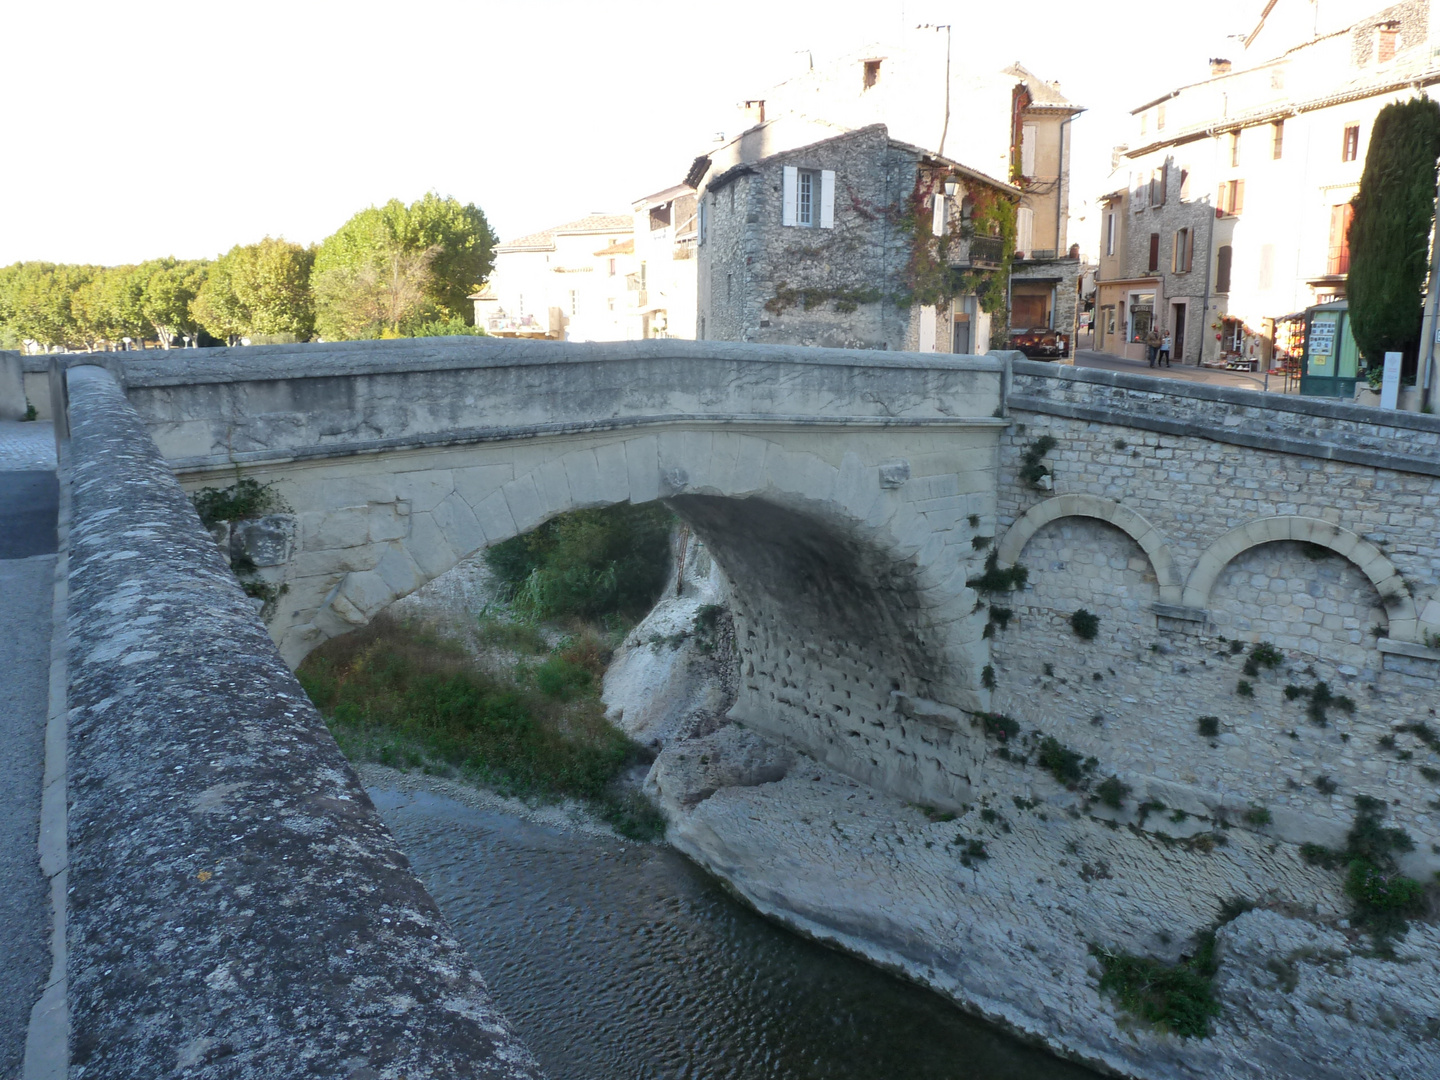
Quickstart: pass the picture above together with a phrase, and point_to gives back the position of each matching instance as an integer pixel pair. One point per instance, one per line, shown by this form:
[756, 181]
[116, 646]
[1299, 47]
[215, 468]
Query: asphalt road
[27, 575]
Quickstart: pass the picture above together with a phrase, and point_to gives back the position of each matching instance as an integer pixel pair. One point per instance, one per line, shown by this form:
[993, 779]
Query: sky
[147, 128]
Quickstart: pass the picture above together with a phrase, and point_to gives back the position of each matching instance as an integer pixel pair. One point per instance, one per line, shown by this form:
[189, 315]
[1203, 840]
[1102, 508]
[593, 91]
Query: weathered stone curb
[237, 908]
[48, 1037]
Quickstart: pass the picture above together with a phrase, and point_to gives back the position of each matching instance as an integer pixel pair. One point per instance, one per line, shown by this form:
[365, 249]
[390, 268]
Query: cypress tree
[1390, 231]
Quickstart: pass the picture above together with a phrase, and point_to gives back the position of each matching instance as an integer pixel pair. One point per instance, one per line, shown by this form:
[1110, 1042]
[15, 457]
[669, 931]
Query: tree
[1390, 232]
[36, 302]
[170, 289]
[258, 289]
[384, 252]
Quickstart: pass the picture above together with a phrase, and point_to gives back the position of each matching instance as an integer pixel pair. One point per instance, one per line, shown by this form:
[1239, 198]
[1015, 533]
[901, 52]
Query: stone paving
[26, 446]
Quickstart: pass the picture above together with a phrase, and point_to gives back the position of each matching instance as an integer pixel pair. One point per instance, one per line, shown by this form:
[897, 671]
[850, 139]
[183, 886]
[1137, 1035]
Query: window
[642, 275]
[1234, 149]
[1267, 266]
[1222, 268]
[1160, 117]
[1184, 251]
[1110, 233]
[1184, 185]
[729, 288]
[1232, 197]
[1159, 181]
[612, 267]
[871, 74]
[1350, 150]
[1277, 144]
[937, 214]
[808, 198]
[1154, 252]
[1338, 257]
[702, 222]
[1028, 135]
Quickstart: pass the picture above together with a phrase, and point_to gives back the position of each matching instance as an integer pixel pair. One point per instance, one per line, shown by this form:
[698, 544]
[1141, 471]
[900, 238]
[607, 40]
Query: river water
[620, 961]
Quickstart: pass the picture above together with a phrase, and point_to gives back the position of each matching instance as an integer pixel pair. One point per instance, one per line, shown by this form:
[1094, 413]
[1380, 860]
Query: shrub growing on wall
[1390, 232]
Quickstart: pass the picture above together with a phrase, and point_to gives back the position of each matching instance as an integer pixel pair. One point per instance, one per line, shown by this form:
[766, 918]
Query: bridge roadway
[28, 499]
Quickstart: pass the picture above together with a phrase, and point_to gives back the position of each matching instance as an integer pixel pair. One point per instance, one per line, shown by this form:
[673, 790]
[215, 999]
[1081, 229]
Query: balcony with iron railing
[976, 253]
[1337, 262]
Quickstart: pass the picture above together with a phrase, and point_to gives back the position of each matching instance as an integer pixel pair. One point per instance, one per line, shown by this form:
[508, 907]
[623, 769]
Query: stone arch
[848, 583]
[1369, 559]
[1149, 538]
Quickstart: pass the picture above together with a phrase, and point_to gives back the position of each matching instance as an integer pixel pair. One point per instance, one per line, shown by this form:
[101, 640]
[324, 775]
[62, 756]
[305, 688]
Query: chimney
[754, 110]
[1219, 66]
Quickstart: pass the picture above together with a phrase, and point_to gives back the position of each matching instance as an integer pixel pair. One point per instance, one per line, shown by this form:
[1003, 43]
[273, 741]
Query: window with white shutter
[1024, 231]
[937, 214]
[1027, 150]
[827, 199]
[927, 328]
[790, 188]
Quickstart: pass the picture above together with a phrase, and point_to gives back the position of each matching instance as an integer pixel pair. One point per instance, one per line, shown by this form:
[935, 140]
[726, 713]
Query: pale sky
[146, 128]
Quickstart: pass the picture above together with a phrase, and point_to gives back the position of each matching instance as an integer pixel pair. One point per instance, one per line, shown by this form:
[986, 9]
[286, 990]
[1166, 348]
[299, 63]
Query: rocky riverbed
[1010, 934]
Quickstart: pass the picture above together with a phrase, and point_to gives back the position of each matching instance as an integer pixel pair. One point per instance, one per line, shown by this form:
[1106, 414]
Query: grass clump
[1383, 900]
[1320, 700]
[995, 580]
[514, 636]
[1208, 726]
[1178, 998]
[1086, 624]
[1257, 815]
[1262, 655]
[588, 564]
[1032, 469]
[401, 695]
[243, 499]
[987, 677]
[1061, 762]
[997, 725]
[1112, 792]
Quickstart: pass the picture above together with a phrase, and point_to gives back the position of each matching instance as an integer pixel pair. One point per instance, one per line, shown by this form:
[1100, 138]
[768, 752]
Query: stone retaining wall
[236, 907]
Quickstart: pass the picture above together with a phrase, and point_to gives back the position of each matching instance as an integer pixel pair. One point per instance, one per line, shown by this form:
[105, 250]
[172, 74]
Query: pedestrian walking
[1165, 349]
[1152, 345]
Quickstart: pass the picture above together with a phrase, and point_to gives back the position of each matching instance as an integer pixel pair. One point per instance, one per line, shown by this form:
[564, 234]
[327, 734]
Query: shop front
[1125, 311]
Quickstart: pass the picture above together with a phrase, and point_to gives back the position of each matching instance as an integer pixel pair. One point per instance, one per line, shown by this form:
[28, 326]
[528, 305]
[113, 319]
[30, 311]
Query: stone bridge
[850, 499]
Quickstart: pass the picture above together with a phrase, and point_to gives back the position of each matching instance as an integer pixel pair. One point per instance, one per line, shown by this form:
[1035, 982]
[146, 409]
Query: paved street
[27, 567]
[1086, 358]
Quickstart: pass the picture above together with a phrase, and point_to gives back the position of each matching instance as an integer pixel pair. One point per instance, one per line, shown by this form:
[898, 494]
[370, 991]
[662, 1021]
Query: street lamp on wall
[952, 187]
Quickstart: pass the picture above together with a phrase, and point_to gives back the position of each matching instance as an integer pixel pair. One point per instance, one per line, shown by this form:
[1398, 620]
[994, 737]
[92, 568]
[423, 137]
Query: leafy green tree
[1390, 232]
[36, 302]
[170, 289]
[257, 289]
[394, 266]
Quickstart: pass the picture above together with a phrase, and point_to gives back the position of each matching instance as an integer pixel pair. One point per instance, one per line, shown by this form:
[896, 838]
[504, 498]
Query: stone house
[1004, 121]
[665, 248]
[819, 243]
[1232, 202]
[573, 282]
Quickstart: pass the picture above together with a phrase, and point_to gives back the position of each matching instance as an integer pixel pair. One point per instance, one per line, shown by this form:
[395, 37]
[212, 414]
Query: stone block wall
[1132, 698]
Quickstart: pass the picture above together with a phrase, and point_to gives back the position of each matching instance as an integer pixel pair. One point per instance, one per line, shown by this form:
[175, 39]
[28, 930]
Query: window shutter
[827, 199]
[1164, 181]
[1189, 249]
[1239, 206]
[1154, 251]
[789, 188]
[1024, 230]
[1222, 199]
[1222, 269]
[927, 328]
[937, 214]
[1176, 252]
[1027, 150]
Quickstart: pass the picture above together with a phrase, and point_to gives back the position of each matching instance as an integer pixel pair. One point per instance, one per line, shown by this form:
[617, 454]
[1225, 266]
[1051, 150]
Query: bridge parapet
[234, 899]
[297, 402]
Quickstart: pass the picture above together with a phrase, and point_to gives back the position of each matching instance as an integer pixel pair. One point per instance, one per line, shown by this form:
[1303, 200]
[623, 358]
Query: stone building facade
[1260, 161]
[830, 264]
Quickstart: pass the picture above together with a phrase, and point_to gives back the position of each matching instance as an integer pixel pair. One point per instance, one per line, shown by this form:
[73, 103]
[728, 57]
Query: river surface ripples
[618, 961]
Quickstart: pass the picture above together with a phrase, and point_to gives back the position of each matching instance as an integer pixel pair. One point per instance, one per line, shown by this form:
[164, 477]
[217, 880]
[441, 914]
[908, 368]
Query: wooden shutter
[1027, 150]
[937, 214]
[1222, 269]
[790, 188]
[1222, 199]
[1164, 181]
[927, 328]
[1189, 248]
[1239, 206]
[1024, 231]
[827, 199]
[1154, 251]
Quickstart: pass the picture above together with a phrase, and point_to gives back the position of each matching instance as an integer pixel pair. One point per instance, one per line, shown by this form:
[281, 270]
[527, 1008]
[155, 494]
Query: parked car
[1041, 343]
